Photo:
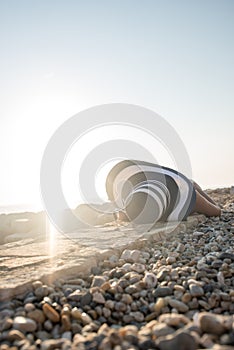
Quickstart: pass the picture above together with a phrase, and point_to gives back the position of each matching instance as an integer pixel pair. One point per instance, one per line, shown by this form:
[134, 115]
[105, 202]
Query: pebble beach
[177, 294]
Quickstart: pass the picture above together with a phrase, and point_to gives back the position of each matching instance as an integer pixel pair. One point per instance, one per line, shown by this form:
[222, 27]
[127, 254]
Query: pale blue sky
[59, 57]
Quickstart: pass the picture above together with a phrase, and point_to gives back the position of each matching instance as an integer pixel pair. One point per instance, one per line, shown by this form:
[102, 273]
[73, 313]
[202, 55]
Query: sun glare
[52, 234]
[91, 149]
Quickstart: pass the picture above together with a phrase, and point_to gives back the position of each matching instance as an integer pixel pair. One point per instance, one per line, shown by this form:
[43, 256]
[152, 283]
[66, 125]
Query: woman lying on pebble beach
[147, 193]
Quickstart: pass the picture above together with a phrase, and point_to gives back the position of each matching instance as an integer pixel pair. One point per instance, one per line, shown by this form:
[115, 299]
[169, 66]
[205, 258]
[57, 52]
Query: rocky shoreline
[175, 294]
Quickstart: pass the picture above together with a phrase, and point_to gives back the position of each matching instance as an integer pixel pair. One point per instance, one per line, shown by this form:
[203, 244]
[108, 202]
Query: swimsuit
[149, 193]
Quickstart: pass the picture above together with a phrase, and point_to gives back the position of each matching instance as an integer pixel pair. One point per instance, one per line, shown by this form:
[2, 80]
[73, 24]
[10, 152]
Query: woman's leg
[199, 189]
[204, 206]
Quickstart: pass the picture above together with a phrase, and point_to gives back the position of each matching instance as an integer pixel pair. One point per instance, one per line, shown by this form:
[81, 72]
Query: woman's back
[149, 193]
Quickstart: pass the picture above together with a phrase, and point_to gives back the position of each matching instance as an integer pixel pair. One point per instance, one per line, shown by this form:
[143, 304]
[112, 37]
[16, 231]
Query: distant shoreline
[19, 208]
[27, 207]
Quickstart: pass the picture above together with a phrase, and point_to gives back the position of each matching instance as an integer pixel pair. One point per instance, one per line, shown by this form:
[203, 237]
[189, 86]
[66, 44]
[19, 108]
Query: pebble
[179, 341]
[160, 303]
[106, 312]
[6, 313]
[195, 290]
[211, 323]
[137, 316]
[67, 335]
[98, 281]
[162, 291]
[83, 297]
[162, 329]
[85, 318]
[6, 324]
[66, 323]
[186, 298]
[37, 284]
[131, 255]
[178, 305]
[127, 267]
[24, 324]
[126, 299]
[48, 325]
[161, 276]
[174, 320]
[29, 307]
[43, 335]
[86, 299]
[140, 268]
[52, 344]
[170, 260]
[180, 247]
[37, 315]
[220, 277]
[76, 314]
[98, 298]
[15, 334]
[206, 341]
[226, 255]
[51, 313]
[150, 280]
[41, 292]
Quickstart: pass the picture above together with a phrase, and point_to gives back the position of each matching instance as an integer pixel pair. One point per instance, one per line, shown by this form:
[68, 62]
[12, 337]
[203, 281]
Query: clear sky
[175, 57]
